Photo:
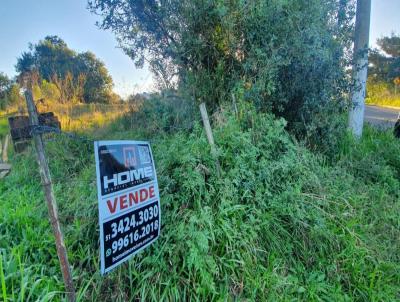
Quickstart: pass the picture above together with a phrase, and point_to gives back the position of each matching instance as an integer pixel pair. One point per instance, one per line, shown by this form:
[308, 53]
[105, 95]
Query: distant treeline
[9, 92]
[60, 74]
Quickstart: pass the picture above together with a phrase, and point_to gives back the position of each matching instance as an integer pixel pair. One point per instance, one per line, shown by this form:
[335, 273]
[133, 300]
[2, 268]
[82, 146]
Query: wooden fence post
[50, 199]
[5, 148]
[210, 137]
[234, 105]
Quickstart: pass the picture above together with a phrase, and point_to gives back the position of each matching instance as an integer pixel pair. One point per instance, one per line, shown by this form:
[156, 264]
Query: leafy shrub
[12, 98]
[50, 92]
[161, 115]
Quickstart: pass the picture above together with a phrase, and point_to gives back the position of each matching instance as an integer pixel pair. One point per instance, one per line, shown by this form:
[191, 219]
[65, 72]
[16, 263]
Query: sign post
[128, 197]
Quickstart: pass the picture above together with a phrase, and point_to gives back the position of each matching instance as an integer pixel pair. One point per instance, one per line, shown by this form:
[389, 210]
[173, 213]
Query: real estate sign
[129, 203]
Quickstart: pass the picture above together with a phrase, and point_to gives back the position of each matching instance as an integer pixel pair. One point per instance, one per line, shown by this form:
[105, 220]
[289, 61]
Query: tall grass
[382, 94]
[75, 117]
[3, 125]
[280, 224]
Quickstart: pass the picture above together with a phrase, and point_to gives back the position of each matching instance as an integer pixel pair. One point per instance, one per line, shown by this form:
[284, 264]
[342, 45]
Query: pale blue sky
[385, 18]
[24, 21]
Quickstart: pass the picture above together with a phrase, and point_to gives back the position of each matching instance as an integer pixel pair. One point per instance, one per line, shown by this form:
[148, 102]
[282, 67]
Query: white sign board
[129, 203]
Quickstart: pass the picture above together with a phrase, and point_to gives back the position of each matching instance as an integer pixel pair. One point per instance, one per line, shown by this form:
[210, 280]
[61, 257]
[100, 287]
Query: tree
[286, 56]
[385, 60]
[78, 76]
[51, 56]
[50, 92]
[390, 45]
[9, 92]
[5, 83]
[97, 76]
[14, 97]
[70, 89]
[4, 88]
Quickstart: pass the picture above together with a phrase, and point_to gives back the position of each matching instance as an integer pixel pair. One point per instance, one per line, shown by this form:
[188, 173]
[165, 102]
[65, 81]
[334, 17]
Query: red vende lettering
[151, 191]
[144, 194]
[128, 200]
[111, 207]
[133, 197]
[122, 202]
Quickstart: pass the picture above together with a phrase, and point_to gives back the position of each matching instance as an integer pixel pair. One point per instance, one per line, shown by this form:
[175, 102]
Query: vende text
[130, 199]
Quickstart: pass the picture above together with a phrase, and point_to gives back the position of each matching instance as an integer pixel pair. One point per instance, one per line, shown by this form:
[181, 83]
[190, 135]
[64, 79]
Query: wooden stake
[234, 105]
[210, 137]
[5, 148]
[50, 199]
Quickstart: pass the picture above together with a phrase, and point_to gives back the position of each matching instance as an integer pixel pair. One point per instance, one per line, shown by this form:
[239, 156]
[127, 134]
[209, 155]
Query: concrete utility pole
[360, 67]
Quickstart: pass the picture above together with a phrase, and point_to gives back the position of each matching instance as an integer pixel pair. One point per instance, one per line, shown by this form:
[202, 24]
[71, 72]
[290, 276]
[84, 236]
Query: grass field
[382, 94]
[391, 102]
[281, 224]
[76, 117]
[81, 117]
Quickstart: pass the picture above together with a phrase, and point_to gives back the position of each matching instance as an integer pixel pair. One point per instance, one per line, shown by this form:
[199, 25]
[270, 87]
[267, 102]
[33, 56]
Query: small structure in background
[21, 131]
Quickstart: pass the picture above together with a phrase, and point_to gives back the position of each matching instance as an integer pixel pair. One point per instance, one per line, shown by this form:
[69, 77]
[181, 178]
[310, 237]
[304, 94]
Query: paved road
[380, 116]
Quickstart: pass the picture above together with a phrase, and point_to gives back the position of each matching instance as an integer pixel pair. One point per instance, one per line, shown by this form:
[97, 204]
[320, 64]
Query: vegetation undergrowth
[3, 126]
[281, 223]
[382, 94]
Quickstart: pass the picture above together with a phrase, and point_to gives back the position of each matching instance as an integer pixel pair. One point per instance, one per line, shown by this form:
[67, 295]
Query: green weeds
[280, 224]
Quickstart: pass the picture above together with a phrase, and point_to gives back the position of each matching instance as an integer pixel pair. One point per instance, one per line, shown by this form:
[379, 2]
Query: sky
[385, 19]
[25, 21]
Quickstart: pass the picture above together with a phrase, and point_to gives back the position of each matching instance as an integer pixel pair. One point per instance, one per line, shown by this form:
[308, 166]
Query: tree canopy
[385, 60]
[76, 75]
[390, 45]
[5, 84]
[286, 56]
[9, 92]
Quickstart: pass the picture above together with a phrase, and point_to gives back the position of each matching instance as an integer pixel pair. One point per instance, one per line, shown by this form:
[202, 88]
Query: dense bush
[12, 98]
[50, 92]
[161, 115]
[288, 57]
[9, 92]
